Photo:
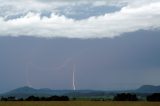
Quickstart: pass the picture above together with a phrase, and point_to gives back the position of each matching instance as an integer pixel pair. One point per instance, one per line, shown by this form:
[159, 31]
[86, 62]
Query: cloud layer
[134, 16]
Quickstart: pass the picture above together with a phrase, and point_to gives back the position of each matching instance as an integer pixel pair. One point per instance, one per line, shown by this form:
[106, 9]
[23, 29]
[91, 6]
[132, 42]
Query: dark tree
[154, 97]
[20, 99]
[58, 98]
[43, 99]
[125, 97]
[33, 98]
[52, 98]
[4, 99]
[65, 98]
[11, 98]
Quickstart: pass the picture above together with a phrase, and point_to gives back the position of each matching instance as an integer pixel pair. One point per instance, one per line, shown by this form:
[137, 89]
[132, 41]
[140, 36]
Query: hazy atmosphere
[110, 44]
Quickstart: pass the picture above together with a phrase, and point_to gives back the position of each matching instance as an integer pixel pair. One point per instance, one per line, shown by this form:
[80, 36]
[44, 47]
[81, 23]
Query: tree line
[36, 98]
[133, 97]
[118, 97]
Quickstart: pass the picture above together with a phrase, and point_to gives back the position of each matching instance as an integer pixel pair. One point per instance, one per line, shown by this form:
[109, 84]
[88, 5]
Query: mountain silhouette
[148, 89]
[24, 92]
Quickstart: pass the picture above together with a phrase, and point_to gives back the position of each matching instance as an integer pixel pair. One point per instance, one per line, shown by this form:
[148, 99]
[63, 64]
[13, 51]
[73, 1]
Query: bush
[34, 98]
[52, 98]
[154, 97]
[125, 97]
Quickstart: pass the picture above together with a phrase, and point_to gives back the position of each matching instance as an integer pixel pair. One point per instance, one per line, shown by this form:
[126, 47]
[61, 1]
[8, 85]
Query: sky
[67, 18]
[114, 44]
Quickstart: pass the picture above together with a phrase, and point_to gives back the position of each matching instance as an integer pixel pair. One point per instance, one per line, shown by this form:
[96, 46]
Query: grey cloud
[127, 61]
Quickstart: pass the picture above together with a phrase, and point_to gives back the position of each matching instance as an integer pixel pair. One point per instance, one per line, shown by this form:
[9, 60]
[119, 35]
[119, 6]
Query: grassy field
[80, 103]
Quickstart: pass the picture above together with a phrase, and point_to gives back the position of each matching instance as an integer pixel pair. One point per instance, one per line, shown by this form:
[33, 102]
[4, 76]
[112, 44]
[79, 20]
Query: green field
[80, 103]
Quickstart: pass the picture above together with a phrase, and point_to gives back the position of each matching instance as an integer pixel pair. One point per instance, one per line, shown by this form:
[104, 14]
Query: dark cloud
[123, 62]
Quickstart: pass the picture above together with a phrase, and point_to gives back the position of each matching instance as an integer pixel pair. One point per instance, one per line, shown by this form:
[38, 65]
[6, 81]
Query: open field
[80, 103]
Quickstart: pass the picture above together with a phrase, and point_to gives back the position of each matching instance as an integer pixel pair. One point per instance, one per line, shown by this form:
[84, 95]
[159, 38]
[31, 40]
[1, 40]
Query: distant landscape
[28, 93]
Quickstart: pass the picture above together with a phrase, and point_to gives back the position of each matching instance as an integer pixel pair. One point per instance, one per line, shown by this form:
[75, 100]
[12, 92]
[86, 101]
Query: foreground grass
[80, 103]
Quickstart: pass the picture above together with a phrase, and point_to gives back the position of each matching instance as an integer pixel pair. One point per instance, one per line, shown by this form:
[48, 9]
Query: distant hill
[148, 89]
[24, 92]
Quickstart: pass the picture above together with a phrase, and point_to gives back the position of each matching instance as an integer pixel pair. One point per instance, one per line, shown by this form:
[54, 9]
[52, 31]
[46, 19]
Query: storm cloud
[125, 62]
[114, 44]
